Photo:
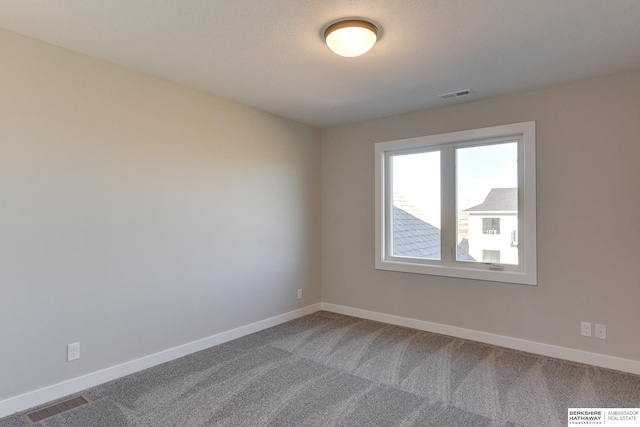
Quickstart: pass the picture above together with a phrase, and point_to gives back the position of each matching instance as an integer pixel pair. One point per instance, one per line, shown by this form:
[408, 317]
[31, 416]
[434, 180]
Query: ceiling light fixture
[351, 37]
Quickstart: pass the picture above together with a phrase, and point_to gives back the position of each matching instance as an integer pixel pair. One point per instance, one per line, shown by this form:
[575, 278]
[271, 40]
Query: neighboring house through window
[499, 209]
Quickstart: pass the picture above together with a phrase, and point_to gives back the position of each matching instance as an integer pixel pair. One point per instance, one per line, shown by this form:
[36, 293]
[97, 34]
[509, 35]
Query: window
[490, 256]
[461, 204]
[491, 225]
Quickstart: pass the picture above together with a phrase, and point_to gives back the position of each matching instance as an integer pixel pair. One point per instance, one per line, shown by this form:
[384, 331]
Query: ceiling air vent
[456, 94]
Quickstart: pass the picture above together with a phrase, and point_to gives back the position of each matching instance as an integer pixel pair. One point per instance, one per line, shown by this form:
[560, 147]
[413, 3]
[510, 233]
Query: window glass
[416, 205]
[487, 200]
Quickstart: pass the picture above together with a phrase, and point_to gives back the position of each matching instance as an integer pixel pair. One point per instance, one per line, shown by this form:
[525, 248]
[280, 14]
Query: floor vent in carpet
[58, 408]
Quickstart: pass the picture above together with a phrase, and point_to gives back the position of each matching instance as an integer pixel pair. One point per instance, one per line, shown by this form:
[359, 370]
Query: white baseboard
[610, 362]
[37, 397]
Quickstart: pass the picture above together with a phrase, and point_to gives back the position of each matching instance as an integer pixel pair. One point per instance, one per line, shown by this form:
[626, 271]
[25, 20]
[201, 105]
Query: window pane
[487, 202]
[490, 225]
[416, 205]
[490, 256]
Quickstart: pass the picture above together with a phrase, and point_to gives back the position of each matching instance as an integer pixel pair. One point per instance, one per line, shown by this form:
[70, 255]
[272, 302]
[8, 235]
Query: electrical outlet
[585, 329]
[299, 293]
[73, 351]
[601, 331]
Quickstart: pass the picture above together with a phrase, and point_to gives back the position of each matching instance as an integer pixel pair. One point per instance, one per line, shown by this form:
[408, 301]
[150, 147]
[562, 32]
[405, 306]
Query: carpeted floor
[327, 369]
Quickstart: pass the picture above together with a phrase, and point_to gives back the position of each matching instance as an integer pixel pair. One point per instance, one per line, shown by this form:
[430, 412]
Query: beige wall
[588, 155]
[137, 215]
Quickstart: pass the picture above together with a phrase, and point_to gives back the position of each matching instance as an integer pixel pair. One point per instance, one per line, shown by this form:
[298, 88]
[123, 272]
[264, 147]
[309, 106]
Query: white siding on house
[479, 241]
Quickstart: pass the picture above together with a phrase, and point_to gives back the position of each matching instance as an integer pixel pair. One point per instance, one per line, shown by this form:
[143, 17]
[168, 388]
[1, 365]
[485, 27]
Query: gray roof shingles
[498, 199]
[415, 238]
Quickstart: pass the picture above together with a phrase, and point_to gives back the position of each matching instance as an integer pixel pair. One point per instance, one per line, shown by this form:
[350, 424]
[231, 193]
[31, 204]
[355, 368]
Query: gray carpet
[327, 369]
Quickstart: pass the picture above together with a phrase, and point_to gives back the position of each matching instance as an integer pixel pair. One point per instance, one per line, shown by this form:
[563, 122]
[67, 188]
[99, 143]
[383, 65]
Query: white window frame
[526, 271]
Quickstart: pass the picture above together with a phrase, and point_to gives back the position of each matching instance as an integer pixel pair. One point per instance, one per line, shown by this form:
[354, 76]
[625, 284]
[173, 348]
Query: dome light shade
[351, 37]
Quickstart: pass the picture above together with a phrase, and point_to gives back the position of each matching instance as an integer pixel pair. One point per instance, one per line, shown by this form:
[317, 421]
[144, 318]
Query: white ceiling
[270, 54]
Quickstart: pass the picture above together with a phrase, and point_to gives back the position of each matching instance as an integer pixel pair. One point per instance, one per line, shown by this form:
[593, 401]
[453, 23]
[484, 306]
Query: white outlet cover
[585, 329]
[601, 332]
[73, 351]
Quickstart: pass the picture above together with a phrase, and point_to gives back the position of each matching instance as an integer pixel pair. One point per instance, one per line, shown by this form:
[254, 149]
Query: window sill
[480, 272]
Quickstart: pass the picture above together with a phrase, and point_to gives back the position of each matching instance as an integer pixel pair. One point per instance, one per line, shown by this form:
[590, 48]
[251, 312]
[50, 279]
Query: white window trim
[526, 272]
